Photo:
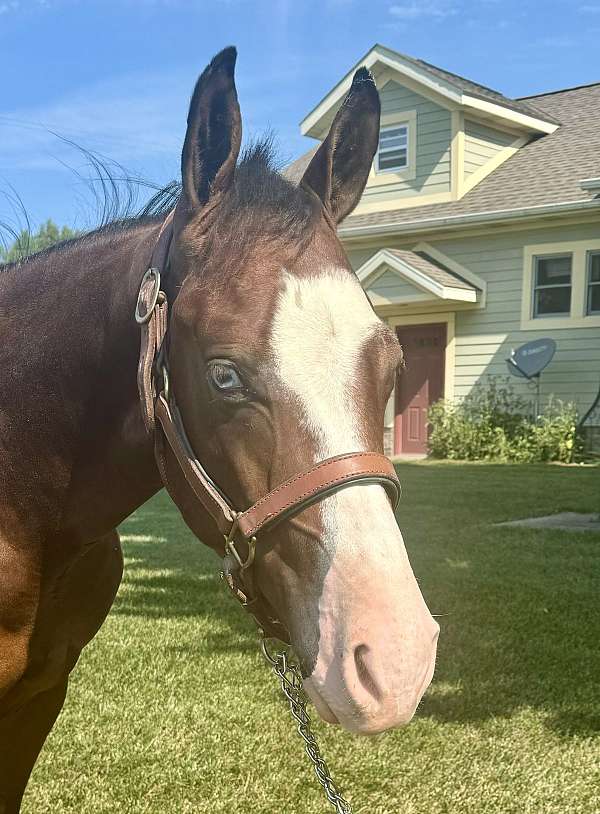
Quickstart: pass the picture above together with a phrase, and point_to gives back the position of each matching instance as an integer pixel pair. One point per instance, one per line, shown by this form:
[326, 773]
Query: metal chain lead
[290, 678]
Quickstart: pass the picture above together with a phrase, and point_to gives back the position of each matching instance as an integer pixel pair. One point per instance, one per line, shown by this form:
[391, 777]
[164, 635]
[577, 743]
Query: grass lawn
[172, 709]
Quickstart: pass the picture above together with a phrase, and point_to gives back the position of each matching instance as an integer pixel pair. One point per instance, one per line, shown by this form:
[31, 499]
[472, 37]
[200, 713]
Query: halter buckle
[233, 562]
[153, 275]
[231, 549]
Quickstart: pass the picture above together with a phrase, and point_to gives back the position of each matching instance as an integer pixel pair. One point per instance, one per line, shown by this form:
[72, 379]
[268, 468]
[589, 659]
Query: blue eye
[224, 376]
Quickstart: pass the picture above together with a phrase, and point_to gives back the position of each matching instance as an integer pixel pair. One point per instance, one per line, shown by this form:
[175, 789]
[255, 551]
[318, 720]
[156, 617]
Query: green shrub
[493, 423]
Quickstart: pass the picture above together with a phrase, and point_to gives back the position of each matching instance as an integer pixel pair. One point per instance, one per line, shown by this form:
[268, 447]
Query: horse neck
[80, 301]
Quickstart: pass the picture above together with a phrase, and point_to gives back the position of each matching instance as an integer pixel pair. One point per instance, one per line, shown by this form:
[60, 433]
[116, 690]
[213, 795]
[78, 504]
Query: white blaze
[374, 656]
[319, 329]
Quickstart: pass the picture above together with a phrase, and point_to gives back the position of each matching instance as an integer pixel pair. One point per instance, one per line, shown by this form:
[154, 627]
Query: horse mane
[261, 200]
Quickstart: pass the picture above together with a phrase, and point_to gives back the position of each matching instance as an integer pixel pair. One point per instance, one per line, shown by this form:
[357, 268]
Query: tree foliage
[27, 243]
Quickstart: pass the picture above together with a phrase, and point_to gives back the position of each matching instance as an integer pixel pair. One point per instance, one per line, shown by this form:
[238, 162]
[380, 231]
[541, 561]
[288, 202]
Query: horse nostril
[365, 676]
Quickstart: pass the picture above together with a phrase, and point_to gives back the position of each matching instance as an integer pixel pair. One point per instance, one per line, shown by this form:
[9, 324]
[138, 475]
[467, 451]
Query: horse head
[278, 361]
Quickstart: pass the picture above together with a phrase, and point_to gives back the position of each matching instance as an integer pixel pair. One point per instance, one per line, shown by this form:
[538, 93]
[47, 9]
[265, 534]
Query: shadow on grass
[520, 623]
[520, 628]
[170, 575]
[518, 638]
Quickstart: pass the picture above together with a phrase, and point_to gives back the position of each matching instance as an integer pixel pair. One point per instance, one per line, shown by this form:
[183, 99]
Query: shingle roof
[545, 171]
[431, 268]
[481, 91]
[294, 171]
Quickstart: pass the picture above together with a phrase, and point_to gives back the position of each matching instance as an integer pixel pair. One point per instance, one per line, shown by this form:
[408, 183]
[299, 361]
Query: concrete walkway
[568, 521]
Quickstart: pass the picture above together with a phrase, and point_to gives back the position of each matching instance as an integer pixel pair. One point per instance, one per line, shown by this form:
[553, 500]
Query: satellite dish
[531, 358]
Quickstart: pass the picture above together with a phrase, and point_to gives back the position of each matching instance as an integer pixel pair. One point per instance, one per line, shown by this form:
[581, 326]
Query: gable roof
[431, 268]
[422, 271]
[543, 175]
[455, 89]
[479, 91]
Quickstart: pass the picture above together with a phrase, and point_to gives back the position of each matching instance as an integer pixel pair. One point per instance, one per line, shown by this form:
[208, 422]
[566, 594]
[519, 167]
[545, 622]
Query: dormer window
[393, 151]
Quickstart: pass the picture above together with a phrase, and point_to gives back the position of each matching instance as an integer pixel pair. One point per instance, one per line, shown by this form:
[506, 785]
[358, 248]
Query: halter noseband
[163, 420]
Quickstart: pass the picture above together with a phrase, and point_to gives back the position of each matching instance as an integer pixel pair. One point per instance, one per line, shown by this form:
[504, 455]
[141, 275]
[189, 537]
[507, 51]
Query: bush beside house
[492, 424]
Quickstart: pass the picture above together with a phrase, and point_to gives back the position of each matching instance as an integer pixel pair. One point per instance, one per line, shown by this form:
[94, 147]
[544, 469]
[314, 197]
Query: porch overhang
[402, 277]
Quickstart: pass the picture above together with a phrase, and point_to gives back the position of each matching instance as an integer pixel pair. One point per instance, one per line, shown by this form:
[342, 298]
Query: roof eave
[459, 294]
[451, 222]
[438, 290]
[312, 124]
[590, 184]
[531, 123]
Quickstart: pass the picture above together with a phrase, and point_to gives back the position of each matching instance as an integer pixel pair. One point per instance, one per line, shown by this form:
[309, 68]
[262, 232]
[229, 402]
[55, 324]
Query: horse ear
[339, 169]
[214, 133]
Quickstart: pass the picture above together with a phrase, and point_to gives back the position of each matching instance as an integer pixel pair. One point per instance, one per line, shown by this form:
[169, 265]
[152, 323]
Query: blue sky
[116, 76]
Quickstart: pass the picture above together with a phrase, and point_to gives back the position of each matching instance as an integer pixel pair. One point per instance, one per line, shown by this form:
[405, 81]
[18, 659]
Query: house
[478, 231]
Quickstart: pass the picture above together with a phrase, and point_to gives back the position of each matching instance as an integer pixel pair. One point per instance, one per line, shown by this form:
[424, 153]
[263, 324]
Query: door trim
[449, 356]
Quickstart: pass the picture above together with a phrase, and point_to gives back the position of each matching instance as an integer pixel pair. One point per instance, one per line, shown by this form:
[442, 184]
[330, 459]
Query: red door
[419, 385]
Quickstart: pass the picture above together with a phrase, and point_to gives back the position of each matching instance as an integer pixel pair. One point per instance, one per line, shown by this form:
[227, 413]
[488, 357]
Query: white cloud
[557, 41]
[128, 118]
[416, 9]
[13, 5]
[24, 6]
[138, 120]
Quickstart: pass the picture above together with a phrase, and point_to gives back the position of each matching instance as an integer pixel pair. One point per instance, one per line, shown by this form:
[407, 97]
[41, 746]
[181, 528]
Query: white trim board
[457, 268]
[578, 317]
[378, 178]
[384, 260]
[463, 221]
[380, 56]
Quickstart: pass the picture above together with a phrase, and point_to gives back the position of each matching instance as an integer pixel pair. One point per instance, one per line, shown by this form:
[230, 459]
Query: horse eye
[224, 376]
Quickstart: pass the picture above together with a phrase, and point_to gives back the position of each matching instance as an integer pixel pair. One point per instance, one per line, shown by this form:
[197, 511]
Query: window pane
[392, 142]
[399, 132]
[393, 148]
[594, 299]
[553, 270]
[552, 301]
[393, 132]
[594, 268]
[393, 160]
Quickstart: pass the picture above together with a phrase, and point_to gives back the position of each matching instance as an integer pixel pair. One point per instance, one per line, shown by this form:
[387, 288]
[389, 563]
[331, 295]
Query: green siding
[484, 338]
[359, 256]
[391, 286]
[482, 143]
[433, 145]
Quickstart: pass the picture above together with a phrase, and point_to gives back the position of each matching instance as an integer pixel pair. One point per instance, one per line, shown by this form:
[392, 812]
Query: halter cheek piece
[163, 420]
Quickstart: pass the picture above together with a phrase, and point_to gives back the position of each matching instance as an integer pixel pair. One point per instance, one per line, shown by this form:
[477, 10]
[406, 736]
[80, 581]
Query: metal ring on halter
[273, 659]
[231, 549]
[165, 380]
[154, 275]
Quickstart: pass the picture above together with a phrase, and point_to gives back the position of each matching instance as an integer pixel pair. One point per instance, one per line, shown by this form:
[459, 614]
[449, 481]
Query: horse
[277, 365]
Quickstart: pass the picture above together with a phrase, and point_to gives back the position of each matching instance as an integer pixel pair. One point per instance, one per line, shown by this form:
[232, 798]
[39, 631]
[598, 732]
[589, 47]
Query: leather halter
[163, 420]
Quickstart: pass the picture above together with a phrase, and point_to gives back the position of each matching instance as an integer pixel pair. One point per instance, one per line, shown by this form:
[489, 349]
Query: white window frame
[383, 151]
[537, 287]
[408, 119]
[578, 317]
[589, 284]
